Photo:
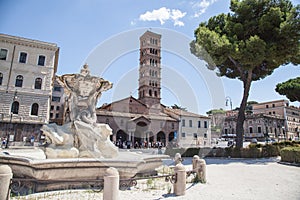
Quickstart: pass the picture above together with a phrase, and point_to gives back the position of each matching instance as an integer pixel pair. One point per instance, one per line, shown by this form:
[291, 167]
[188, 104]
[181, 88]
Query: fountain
[79, 151]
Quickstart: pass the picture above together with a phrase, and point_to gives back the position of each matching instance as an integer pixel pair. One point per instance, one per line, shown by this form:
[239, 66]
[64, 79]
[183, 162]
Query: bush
[270, 150]
[290, 154]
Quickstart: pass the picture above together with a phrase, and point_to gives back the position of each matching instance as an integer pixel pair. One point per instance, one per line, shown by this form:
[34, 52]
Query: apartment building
[27, 69]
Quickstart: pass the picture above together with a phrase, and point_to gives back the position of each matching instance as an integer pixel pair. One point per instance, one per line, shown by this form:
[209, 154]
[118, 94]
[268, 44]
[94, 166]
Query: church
[144, 121]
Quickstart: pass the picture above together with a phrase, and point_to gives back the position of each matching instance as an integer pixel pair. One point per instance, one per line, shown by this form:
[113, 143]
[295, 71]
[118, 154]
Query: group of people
[138, 144]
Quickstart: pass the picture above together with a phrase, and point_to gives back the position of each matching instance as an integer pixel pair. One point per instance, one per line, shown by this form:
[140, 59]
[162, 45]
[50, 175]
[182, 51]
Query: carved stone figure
[81, 135]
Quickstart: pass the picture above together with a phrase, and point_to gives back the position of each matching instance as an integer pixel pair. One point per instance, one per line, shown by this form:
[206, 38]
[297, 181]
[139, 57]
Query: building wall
[291, 115]
[255, 126]
[191, 133]
[27, 95]
[57, 104]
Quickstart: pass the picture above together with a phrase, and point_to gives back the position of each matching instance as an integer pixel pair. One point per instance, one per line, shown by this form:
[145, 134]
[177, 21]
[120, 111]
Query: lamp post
[10, 120]
[226, 103]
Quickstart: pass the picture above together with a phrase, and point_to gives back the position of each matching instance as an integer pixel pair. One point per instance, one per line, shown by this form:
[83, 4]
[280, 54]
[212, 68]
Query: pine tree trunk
[241, 114]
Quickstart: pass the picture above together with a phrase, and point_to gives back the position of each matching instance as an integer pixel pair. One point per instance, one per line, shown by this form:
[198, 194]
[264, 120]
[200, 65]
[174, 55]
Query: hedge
[290, 154]
[252, 151]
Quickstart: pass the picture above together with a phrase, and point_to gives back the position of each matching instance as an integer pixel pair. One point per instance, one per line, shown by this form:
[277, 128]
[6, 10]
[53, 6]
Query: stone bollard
[195, 160]
[111, 184]
[5, 178]
[177, 158]
[201, 165]
[180, 184]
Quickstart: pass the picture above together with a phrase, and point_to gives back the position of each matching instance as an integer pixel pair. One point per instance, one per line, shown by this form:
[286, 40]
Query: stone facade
[291, 115]
[255, 126]
[27, 68]
[57, 103]
[194, 130]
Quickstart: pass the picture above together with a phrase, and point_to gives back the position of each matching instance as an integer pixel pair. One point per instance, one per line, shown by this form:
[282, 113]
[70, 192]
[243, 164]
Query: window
[3, 54]
[51, 115]
[57, 89]
[19, 81]
[107, 121]
[15, 107]
[57, 107]
[183, 122]
[56, 99]
[205, 124]
[205, 135]
[259, 129]
[267, 106]
[23, 57]
[34, 109]
[195, 136]
[172, 125]
[199, 124]
[38, 83]
[41, 61]
[250, 130]
[273, 105]
[1, 78]
[57, 115]
[190, 123]
[182, 134]
[52, 107]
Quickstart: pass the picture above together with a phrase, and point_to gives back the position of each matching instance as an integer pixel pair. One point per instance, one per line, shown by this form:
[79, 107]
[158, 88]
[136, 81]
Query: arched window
[1, 78]
[38, 83]
[19, 81]
[15, 107]
[150, 93]
[155, 93]
[34, 109]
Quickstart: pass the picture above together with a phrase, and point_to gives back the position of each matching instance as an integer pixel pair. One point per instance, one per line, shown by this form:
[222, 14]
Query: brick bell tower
[150, 70]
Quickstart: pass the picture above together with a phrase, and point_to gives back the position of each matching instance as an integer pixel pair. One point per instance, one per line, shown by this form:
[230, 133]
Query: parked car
[254, 141]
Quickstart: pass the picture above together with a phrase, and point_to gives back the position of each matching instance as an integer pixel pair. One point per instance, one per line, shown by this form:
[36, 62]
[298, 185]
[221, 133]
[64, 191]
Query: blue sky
[81, 28]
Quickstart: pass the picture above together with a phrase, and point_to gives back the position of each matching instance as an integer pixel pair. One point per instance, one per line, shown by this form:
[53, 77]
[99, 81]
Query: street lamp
[226, 103]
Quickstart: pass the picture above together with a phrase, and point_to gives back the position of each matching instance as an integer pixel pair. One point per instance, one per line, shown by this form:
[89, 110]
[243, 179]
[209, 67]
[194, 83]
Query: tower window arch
[155, 93]
[34, 109]
[38, 83]
[15, 107]
[150, 93]
[1, 78]
[19, 81]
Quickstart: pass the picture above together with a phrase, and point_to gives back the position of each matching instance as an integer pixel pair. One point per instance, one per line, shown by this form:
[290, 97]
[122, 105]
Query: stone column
[5, 178]
[177, 158]
[195, 159]
[202, 165]
[111, 184]
[180, 184]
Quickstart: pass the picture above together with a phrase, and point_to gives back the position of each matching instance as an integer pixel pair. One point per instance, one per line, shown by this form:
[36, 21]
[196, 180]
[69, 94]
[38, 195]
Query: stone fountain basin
[129, 164]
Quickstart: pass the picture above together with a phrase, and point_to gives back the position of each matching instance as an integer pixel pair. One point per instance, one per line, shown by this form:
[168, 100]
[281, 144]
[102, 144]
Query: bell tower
[150, 70]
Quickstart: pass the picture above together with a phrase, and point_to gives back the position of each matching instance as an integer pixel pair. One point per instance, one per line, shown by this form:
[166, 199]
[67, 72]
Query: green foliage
[216, 111]
[249, 43]
[290, 88]
[290, 154]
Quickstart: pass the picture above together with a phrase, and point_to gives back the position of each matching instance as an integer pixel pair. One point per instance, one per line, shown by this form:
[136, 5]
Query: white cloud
[163, 14]
[200, 7]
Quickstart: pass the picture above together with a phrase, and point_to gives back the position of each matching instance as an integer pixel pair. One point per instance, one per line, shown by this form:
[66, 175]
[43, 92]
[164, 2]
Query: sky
[105, 34]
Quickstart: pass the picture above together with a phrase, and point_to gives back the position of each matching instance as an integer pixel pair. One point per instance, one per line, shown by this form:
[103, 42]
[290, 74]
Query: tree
[175, 106]
[290, 88]
[249, 43]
